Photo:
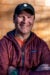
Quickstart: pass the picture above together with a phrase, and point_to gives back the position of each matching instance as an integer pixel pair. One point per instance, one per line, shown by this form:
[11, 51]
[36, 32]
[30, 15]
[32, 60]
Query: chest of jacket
[27, 56]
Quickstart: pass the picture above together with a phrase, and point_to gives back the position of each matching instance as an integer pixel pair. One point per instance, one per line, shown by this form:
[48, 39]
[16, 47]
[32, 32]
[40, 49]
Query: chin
[24, 31]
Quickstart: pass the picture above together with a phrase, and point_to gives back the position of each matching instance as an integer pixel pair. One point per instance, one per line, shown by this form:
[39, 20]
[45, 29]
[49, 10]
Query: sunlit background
[42, 21]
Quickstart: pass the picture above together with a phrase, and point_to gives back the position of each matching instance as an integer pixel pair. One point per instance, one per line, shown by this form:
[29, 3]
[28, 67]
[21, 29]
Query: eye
[20, 16]
[29, 16]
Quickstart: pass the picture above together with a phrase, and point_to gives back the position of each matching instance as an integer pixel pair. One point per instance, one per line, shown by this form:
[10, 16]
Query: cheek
[19, 20]
[31, 22]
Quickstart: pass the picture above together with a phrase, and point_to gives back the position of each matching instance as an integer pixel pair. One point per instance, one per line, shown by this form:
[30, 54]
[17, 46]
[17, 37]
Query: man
[21, 48]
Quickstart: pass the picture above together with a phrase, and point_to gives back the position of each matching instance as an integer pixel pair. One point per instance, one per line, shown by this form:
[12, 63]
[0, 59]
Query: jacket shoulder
[39, 41]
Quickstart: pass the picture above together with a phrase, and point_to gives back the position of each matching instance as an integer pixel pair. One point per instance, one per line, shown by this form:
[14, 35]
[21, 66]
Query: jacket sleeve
[45, 57]
[3, 58]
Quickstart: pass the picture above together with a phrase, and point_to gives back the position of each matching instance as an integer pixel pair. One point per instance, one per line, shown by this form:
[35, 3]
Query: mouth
[25, 25]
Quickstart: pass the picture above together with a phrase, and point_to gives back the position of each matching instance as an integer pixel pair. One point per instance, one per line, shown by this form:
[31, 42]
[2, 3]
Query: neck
[22, 36]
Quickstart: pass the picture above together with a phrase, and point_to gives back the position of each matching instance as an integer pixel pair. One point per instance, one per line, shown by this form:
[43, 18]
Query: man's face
[24, 22]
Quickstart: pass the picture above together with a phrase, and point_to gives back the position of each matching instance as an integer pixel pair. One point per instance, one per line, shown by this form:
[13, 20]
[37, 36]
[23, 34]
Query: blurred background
[42, 21]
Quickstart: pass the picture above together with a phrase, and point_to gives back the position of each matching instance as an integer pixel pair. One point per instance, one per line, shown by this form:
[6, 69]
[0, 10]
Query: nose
[24, 20]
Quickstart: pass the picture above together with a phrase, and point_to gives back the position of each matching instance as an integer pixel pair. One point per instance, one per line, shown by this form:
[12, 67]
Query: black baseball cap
[24, 6]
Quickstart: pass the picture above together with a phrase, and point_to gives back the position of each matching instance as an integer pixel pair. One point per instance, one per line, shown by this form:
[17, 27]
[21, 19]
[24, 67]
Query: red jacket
[28, 58]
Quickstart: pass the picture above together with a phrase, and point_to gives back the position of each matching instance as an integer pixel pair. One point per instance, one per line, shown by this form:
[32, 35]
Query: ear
[14, 18]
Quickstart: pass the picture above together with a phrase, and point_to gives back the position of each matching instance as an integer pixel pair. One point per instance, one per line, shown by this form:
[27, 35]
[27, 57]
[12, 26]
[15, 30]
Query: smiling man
[21, 48]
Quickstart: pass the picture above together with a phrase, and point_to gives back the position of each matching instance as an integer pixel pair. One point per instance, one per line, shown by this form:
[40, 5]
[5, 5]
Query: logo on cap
[25, 5]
